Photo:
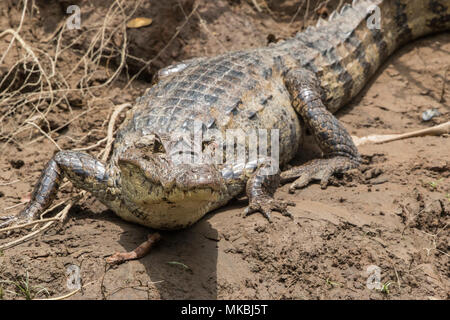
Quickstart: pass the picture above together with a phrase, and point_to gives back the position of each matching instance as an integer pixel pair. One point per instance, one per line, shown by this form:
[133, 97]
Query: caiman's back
[246, 90]
[240, 90]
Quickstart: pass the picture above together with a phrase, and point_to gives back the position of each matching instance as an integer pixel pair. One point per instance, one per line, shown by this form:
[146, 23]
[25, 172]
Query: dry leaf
[139, 22]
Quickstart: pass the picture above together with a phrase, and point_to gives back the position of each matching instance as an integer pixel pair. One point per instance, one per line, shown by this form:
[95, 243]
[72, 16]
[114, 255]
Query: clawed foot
[319, 169]
[312, 172]
[8, 221]
[266, 205]
[25, 216]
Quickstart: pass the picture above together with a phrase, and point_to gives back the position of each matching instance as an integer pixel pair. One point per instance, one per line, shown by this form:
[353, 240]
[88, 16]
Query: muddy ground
[392, 213]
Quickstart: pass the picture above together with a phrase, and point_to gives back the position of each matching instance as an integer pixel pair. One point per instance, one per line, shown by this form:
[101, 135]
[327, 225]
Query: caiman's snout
[162, 173]
[200, 176]
[158, 171]
[171, 196]
[154, 158]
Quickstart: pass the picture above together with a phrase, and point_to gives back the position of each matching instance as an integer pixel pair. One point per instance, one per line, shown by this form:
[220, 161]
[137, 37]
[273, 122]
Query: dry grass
[35, 84]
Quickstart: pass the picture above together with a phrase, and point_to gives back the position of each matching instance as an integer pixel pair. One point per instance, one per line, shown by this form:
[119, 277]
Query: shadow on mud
[182, 265]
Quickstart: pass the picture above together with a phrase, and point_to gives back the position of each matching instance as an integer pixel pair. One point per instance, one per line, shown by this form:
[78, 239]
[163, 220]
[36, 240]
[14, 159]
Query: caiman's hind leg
[340, 153]
[83, 170]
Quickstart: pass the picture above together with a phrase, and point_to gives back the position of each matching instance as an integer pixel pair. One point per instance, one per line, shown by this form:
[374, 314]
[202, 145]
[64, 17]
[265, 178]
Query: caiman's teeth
[333, 16]
[355, 3]
[346, 7]
[321, 22]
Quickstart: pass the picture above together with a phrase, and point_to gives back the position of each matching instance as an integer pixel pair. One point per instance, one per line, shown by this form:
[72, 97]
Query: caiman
[287, 86]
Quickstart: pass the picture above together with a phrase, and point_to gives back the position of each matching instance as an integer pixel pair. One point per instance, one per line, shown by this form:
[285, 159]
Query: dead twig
[110, 135]
[9, 183]
[202, 22]
[36, 69]
[139, 252]
[45, 134]
[444, 81]
[60, 217]
[32, 223]
[13, 206]
[382, 138]
[255, 3]
[69, 294]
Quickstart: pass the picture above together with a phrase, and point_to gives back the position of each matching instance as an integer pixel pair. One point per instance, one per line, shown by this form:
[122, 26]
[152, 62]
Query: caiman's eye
[158, 147]
[151, 143]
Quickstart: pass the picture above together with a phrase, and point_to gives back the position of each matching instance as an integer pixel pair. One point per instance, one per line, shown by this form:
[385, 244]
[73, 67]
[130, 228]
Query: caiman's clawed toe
[317, 169]
[260, 190]
[266, 205]
[18, 219]
[8, 221]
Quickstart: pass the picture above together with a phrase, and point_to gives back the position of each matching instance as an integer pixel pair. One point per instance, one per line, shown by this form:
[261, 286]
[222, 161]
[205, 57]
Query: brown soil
[392, 213]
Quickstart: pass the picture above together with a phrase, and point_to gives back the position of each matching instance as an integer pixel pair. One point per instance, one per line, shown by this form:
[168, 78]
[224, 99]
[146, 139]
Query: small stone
[429, 114]
[379, 180]
[17, 164]
[393, 73]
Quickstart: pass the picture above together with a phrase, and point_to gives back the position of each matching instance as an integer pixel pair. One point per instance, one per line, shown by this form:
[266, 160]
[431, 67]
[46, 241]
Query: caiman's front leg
[260, 190]
[81, 169]
[261, 179]
[340, 153]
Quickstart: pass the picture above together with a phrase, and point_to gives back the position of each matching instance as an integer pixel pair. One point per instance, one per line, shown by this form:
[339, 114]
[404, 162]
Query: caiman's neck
[345, 51]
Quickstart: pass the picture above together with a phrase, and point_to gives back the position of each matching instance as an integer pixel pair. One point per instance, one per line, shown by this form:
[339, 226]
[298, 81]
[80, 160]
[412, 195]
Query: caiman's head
[162, 193]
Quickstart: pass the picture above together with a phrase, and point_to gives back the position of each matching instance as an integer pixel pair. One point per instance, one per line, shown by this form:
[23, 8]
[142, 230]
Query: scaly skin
[300, 81]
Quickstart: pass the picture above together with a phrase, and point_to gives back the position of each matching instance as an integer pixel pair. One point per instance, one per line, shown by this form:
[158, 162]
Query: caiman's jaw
[181, 194]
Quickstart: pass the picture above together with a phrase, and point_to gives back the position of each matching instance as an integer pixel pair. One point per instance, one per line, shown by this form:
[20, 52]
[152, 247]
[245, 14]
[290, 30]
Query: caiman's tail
[411, 19]
[345, 51]
[394, 22]
[405, 20]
